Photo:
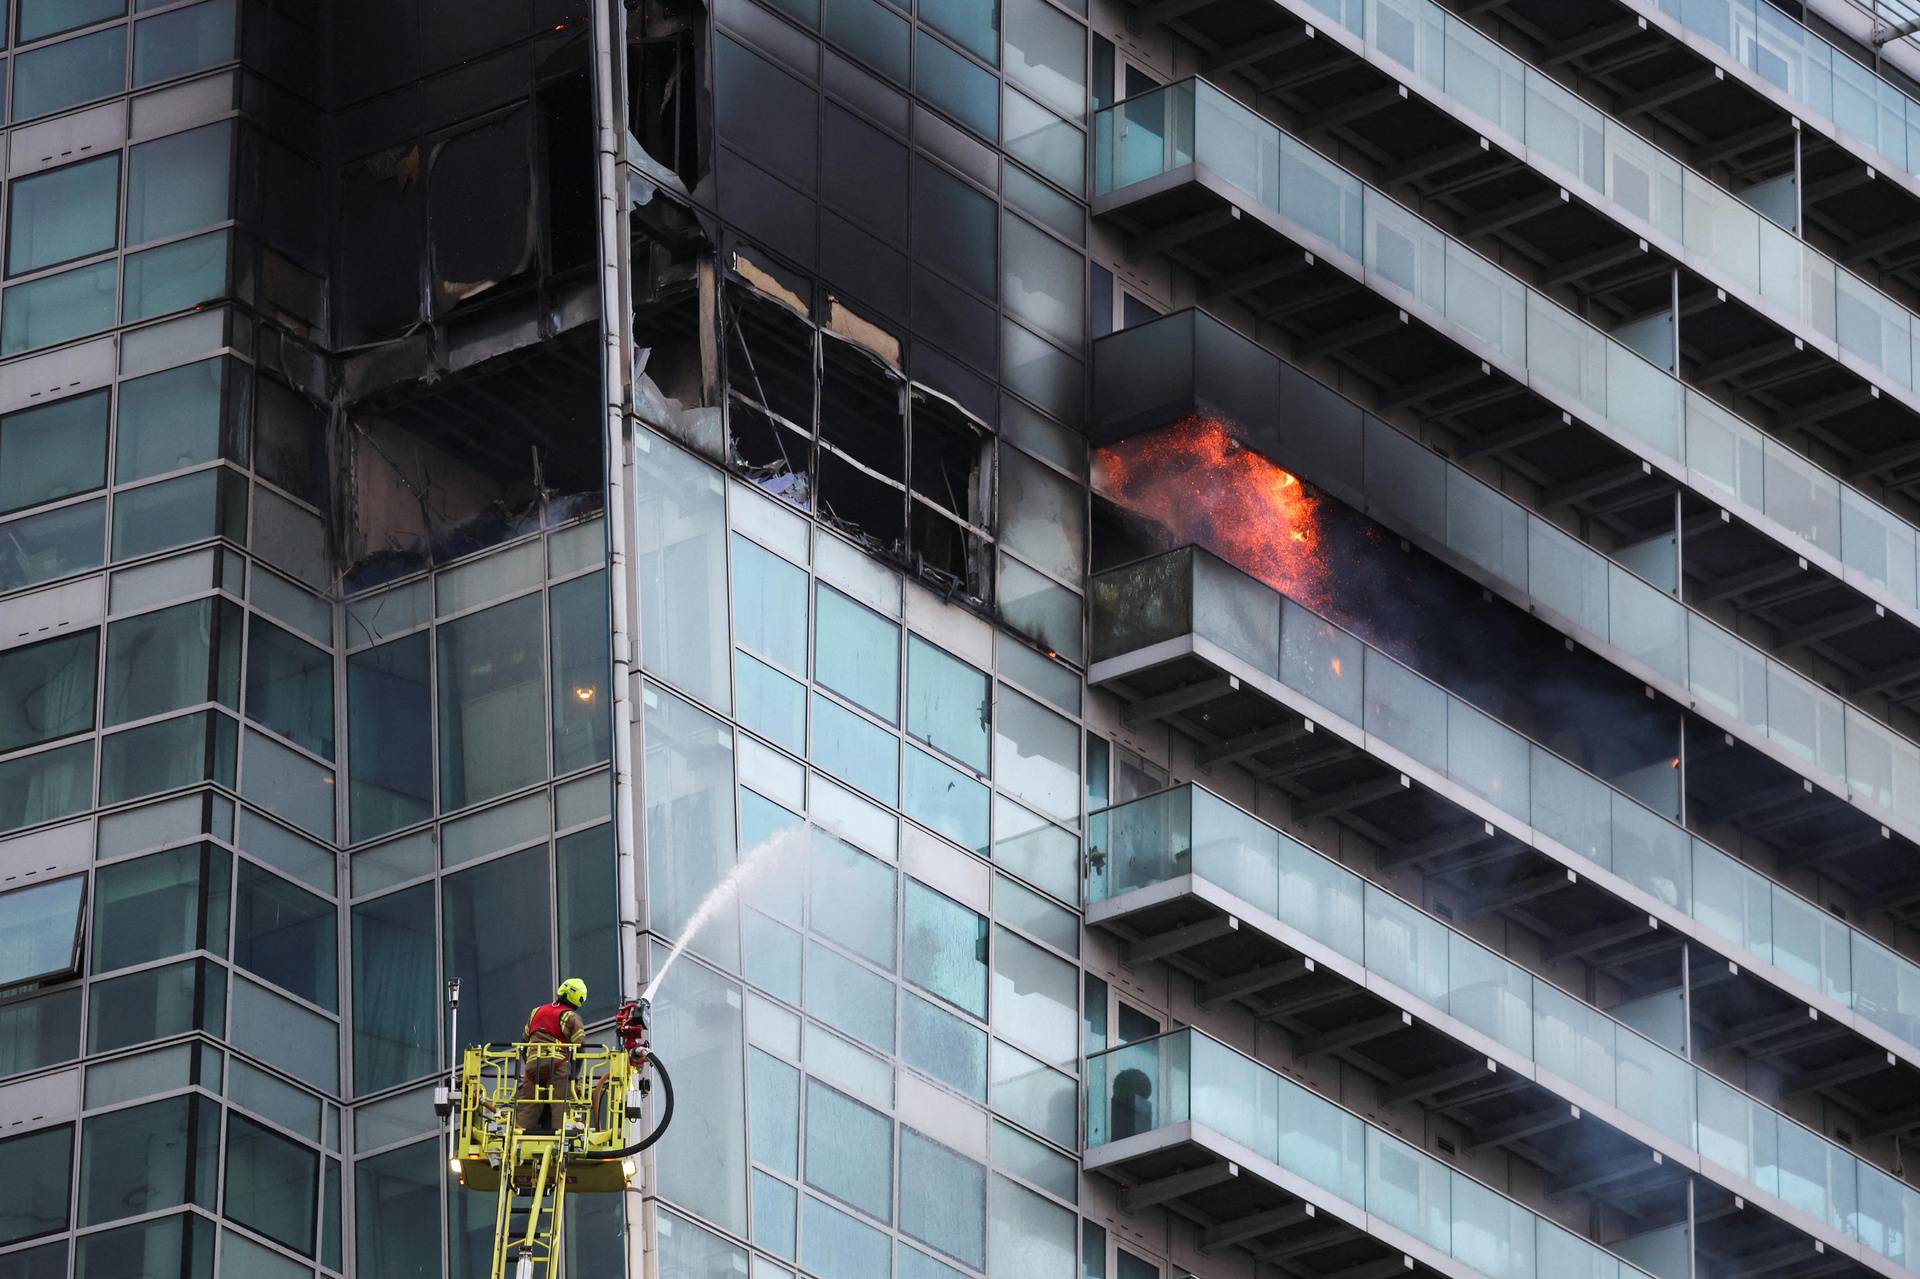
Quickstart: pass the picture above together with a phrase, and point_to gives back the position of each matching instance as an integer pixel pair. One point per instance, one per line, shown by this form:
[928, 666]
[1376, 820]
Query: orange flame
[1207, 488]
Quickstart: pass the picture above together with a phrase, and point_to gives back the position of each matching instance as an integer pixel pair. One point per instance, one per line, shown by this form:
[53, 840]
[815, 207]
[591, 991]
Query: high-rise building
[1276, 637]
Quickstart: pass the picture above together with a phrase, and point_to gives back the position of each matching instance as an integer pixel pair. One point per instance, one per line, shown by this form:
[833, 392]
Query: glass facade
[328, 677]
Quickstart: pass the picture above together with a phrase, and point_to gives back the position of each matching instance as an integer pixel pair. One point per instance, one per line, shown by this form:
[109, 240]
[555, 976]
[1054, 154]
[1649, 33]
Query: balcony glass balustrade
[1185, 1076]
[1188, 830]
[1541, 343]
[1189, 592]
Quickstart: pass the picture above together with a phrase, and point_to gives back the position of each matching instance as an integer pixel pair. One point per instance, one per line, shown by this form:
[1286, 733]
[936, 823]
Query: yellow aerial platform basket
[591, 1111]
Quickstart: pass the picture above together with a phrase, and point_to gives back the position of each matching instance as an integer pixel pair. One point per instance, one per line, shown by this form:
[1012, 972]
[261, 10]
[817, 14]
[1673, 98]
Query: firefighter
[555, 1023]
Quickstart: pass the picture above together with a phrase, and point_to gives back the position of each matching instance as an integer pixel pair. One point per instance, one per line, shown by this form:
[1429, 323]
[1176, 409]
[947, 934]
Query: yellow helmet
[573, 991]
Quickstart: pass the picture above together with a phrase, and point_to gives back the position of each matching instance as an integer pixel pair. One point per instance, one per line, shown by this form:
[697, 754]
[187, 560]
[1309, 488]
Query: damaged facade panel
[666, 89]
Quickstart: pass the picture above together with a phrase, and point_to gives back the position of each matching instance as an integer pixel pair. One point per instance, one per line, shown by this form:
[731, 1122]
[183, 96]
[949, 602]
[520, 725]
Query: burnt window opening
[862, 409]
[572, 205]
[451, 463]
[951, 478]
[870, 509]
[948, 554]
[664, 61]
[770, 356]
[774, 456]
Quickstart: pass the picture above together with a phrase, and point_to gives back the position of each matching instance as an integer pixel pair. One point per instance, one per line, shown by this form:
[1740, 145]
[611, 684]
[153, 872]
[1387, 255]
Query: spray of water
[753, 862]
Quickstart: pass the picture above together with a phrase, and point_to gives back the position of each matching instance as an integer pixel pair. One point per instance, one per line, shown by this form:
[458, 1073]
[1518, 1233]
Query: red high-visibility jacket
[555, 1023]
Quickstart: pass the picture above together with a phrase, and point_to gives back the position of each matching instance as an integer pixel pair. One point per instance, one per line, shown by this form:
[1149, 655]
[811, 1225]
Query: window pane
[53, 451]
[286, 935]
[63, 214]
[770, 703]
[148, 1158]
[395, 996]
[835, 1245]
[943, 798]
[769, 605]
[946, 949]
[939, 1044]
[39, 1032]
[943, 1198]
[46, 691]
[272, 1184]
[173, 419]
[948, 703]
[589, 910]
[582, 666]
[290, 687]
[57, 307]
[973, 24]
[183, 1245]
[1037, 756]
[40, 788]
[389, 736]
[1046, 55]
[162, 905]
[156, 1003]
[775, 1089]
[680, 569]
[39, 934]
[72, 71]
[497, 943]
[288, 784]
[957, 86]
[161, 661]
[178, 183]
[34, 1176]
[42, 18]
[849, 997]
[173, 277]
[856, 750]
[395, 1193]
[1043, 516]
[689, 797]
[1035, 997]
[491, 688]
[703, 1163]
[856, 653]
[852, 898]
[174, 512]
[1032, 1237]
[182, 42]
[849, 1151]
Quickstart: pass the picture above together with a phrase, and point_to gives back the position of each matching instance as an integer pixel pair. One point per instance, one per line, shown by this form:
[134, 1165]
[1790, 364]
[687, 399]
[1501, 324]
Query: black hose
[659, 1131]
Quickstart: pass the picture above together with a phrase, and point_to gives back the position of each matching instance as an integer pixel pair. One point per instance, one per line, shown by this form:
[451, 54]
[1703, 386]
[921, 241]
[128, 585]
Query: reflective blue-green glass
[856, 653]
[183, 41]
[589, 907]
[170, 513]
[771, 704]
[849, 997]
[155, 1003]
[943, 1198]
[855, 750]
[943, 1046]
[42, 787]
[774, 1088]
[849, 1151]
[395, 996]
[272, 1184]
[389, 736]
[290, 686]
[967, 92]
[873, 32]
[42, 18]
[851, 897]
[40, 1031]
[943, 798]
[39, 548]
[949, 703]
[150, 1157]
[582, 670]
[178, 418]
[492, 686]
[170, 658]
[46, 691]
[171, 753]
[179, 183]
[39, 930]
[63, 214]
[973, 24]
[52, 451]
[836, 1245]
[395, 1192]
[183, 1240]
[70, 72]
[58, 307]
[769, 605]
[160, 905]
[496, 941]
[286, 935]
[34, 1172]
[946, 949]
[174, 277]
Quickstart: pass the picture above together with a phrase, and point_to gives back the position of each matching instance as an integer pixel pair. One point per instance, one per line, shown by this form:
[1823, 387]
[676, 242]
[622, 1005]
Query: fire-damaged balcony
[1185, 1122]
[1508, 827]
[1456, 123]
[1345, 272]
[1757, 726]
[1350, 970]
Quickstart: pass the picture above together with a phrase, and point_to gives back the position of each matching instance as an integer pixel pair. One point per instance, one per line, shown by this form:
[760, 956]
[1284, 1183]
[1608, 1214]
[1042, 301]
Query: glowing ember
[1207, 488]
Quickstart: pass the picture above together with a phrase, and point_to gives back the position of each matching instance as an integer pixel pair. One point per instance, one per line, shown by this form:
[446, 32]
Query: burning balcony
[1499, 367]
[1184, 1121]
[1351, 970]
[1257, 678]
[1225, 396]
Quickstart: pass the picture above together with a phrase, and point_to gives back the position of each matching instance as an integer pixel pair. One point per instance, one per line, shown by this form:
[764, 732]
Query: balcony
[1257, 678]
[1345, 270]
[1335, 959]
[1190, 363]
[1500, 145]
[1185, 1121]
